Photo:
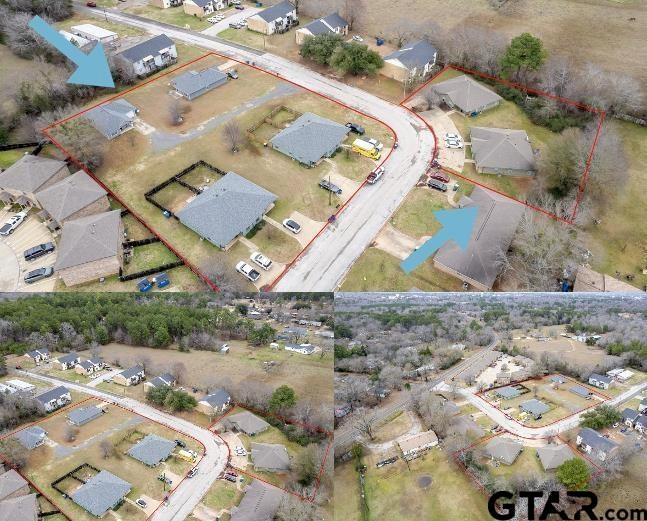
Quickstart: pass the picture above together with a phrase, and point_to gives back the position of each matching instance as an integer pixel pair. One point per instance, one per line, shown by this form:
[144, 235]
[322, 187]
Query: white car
[358, 38]
[240, 451]
[213, 20]
[453, 144]
[453, 137]
[13, 223]
[260, 259]
[292, 225]
[247, 271]
[376, 144]
[243, 23]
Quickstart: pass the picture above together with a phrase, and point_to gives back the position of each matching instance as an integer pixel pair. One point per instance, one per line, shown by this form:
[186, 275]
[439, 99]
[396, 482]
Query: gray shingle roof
[496, 224]
[326, 25]
[260, 503]
[192, 82]
[641, 420]
[303, 347]
[277, 11]
[580, 390]
[504, 449]
[310, 138]
[630, 414]
[466, 93]
[69, 358]
[335, 21]
[596, 440]
[552, 456]
[89, 239]
[10, 482]
[152, 450]
[601, 378]
[83, 415]
[270, 456]
[131, 371]
[229, 207]
[70, 195]
[31, 437]
[502, 148]
[86, 364]
[534, 407]
[21, 508]
[29, 173]
[508, 392]
[414, 55]
[111, 118]
[149, 47]
[163, 380]
[248, 423]
[101, 493]
[558, 379]
[217, 399]
[52, 394]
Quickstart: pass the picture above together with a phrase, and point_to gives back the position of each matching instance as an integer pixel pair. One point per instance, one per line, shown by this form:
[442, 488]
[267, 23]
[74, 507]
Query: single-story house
[416, 444]
[74, 197]
[202, 8]
[304, 349]
[30, 174]
[94, 33]
[552, 456]
[230, 207]
[310, 138]
[467, 95]
[270, 457]
[38, 355]
[414, 60]
[68, 361]
[82, 415]
[21, 508]
[260, 503]
[74, 39]
[152, 450]
[641, 423]
[90, 248]
[275, 19]
[496, 223]
[588, 280]
[54, 398]
[31, 437]
[502, 151]
[503, 449]
[582, 391]
[215, 402]
[113, 118]
[148, 56]
[594, 443]
[331, 24]
[163, 380]
[130, 376]
[642, 406]
[100, 493]
[12, 485]
[247, 422]
[20, 387]
[558, 379]
[600, 381]
[192, 84]
[165, 4]
[88, 367]
[621, 374]
[507, 393]
[629, 416]
[535, 408]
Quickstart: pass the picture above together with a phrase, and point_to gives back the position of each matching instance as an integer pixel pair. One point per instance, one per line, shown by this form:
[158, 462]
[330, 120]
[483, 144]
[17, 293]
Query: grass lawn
[69, 375]
[9, 157]
[393, 428]
[629, 490]
[376, 270]
[149, 256]
[275, 244]
[415, 217]
[526, 463]
[224, 494]
[172, 16]
[347, 492]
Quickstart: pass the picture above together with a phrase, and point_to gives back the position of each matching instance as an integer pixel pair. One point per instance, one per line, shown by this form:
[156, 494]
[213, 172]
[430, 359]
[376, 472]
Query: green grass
[278, 246]
[149, 256]
[172, 16]
[526, 463]
[347, 494]
[9, 157]
[416, 215]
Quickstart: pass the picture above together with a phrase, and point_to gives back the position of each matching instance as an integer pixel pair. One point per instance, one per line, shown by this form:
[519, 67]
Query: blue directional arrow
[92, 69]
[457, 226]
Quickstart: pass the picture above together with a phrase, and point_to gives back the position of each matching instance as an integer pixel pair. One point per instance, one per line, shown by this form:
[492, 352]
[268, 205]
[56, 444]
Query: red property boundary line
[537, 92]
[288, 421]
[481, 394]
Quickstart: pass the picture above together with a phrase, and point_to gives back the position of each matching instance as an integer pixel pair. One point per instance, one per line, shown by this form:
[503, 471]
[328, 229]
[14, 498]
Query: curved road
[324, 265]
[189, 492]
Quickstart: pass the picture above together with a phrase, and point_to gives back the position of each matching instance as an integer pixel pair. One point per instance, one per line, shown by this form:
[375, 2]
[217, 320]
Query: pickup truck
[375, 175]
[13, 223]
[247, 271]
[327, 185]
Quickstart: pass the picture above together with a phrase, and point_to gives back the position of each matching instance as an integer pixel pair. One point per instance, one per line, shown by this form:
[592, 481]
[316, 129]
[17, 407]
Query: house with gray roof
[413, 60]
[148, 56]
[192, 84]
[90, 248]
[535, 408]
[642, 406]
[270, 457]
[593, 443]
[12, 485]
[90, 366]
[600, 381]
[163, 380]
[82, 415]
[641, 423]
[230, 207]
[552, 456]
[310, 138]
[260, 503]
[68, 361]
[582, 391]
[629, 416]
[113, 118]
[502, 151]
[152, 450]
[496, 223]
[54, 398]
[38, 355]
[504, 450]
[507, 393]
[102, 492]
[74, 197]
[30, 174]
[303, 349]
[246, 422]
[466, 94]
[31, 437]
[216, 401]
[199, 8]
[275, 19]
[330, 24]
[21, 508]
[131, 376]
[557, 379]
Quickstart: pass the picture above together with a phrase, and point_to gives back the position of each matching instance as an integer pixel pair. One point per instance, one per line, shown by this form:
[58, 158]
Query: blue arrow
[457, 226]
[92, 69]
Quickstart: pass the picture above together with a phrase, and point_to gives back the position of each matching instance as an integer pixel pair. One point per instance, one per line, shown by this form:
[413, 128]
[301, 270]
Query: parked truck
[327, 185]
[366, 149]
[186, 456]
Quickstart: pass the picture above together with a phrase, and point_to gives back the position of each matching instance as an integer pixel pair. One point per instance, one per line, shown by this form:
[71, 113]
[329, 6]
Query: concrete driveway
[443, 124]
[267, 276]
[231, 16]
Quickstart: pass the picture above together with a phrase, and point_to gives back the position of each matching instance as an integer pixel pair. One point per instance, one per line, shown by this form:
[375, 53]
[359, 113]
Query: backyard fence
[151, 271]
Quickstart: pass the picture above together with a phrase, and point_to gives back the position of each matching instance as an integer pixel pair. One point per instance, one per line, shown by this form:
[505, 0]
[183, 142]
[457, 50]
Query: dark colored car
[440, 176]
[437, 185]
[230, 476]
[233, 74]
[327, 185]
[240, 7]
[180, 443]
[354, 127]
[91, 4]
[39, 274]
[38, 251]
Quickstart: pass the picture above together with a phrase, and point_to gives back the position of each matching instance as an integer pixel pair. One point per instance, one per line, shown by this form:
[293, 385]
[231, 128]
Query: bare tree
[179, 372]
[71, 432]
[400, 29]
[233, 135]
[107, 449]
[294, 509]
[144, 361]
[175, 112]
[365, 423]
[13, 452]
[432, 98]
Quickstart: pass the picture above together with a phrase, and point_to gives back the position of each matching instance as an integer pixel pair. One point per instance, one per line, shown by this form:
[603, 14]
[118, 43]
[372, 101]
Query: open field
[394, 427]
[415, 217]
[527, 463]
[223, 495]
[347, 492]
[171, 15]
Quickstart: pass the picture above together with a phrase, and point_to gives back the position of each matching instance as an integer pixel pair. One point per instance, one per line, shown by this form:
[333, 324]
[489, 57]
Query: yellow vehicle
[186, 456]
[366, 149]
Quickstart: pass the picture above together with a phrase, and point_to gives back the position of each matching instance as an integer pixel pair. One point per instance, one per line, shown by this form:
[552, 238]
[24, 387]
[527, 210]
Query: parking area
[231, 16]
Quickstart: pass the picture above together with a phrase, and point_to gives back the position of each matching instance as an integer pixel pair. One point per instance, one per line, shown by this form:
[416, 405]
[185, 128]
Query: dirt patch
[424, 482]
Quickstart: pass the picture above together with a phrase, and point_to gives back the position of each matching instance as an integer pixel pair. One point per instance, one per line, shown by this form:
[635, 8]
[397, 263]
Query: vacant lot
[569, 350]
[415, 217]
[172, 16]
[347, 492]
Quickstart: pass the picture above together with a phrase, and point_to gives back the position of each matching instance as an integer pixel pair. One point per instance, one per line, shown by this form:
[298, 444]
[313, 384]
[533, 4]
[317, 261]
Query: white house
[94, 32]
[595, 444]
[20, 386]
[54, 398]
[414, 60]
[88, 367]
[202, 8]
[331, 24]
[148, 56]
[641, 424]
[304, 349]
[68, 361]
[642, 407]
[600, 381]
[38, 355]
[276, 19]
[416, 444]
[621, 374]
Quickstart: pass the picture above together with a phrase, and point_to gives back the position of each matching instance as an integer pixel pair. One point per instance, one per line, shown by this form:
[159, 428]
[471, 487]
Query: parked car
[38, 251]
[354, 127]
[233, 25]
[10, 226]
[231, 476]
[243, 23]
[240, 451]
[452, 143]
[239, 7]
[440, 176]
[375, 175]
[358, 38]
[164, 479]
[91, 4]
[437, 185]
[39, 274]
[180, 443]
[192, 472]
[212, 20]
[247, 271]
[258, 258]
[376, 143]
[453, 137]
[233, 74]
[140, 502]
[292, 225]
[615, 425]
[331, 187]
